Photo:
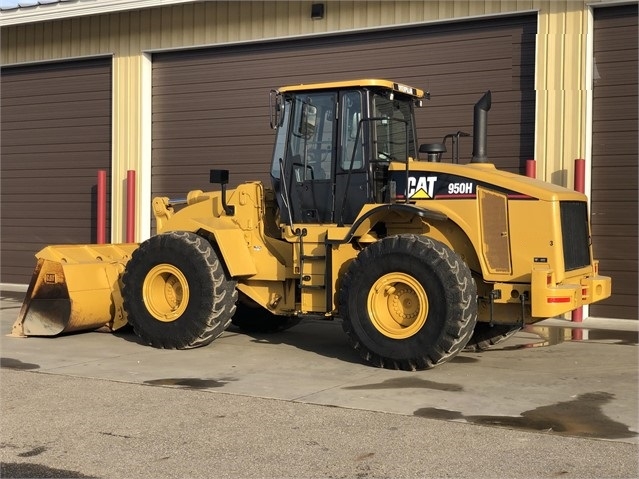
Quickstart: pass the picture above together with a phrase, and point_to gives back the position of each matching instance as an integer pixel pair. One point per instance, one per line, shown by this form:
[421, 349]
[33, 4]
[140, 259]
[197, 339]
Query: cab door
[311, 157]
[352, 189]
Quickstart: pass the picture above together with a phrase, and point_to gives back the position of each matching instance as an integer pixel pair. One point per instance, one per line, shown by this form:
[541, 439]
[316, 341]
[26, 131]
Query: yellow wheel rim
[165, 292]
[397, 305]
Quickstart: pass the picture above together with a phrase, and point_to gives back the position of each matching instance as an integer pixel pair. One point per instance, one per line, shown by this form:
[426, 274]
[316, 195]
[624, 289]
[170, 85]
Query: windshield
[393, 136]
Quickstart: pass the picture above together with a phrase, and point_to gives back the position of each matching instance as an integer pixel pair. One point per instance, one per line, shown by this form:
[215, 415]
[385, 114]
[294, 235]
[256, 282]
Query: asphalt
[301, 404]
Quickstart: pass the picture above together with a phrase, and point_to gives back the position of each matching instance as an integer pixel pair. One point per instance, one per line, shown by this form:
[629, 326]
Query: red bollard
[577, 316]
[531, 168]
[101, 208]
[130, 206]
[580, 176]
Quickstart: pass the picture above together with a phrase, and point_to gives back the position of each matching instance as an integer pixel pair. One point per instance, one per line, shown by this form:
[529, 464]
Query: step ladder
[312, 274]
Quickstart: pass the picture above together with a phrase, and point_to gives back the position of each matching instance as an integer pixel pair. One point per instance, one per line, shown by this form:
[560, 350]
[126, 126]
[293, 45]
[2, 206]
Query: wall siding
[210, 109]
[560, 78]
[614, 158]
[56, 135]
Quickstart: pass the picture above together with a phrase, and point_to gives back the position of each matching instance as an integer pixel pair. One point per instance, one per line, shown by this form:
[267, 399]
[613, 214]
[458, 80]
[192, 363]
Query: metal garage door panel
[615, 155]
[210, 106]
[56, 135]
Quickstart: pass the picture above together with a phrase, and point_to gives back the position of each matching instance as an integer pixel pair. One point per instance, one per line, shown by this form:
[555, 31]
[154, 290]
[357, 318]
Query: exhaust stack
[480, 128]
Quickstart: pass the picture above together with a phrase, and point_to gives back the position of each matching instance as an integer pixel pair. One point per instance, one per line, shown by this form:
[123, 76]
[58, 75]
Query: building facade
[171, 88]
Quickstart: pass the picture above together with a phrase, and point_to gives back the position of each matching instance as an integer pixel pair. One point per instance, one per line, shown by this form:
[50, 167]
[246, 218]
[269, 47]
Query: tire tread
[214, 311]
[456, 332]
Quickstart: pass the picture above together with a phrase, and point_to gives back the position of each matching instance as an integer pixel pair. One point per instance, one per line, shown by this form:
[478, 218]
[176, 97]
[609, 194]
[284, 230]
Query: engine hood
[429, 180]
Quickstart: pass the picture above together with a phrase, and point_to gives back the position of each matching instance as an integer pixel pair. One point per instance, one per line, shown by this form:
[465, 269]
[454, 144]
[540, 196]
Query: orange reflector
[562, 299]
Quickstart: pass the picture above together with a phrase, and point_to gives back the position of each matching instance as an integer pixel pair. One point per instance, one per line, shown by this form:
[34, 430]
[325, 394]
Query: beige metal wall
[561, 59]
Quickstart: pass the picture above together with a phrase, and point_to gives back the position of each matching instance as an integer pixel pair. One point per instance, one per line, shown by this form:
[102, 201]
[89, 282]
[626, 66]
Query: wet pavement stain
[551, 336]
[363, 457]
[581, 416]
[13, 469]
[10, 363]
[191, 383]
[112, 434]
[36, 451]
[411, 383]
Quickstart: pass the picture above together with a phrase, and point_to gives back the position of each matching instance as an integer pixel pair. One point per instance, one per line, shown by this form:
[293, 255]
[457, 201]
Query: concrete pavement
[530, 389]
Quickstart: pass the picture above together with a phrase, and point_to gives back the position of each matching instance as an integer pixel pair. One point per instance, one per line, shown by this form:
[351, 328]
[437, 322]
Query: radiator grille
[494, 228]
[575, 234]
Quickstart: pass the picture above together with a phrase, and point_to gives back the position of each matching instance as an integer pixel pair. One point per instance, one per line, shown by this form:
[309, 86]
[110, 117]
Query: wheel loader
[418, 258]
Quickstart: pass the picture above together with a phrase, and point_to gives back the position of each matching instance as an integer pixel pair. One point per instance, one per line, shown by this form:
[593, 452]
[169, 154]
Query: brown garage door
[56, 135]
[614, 157]
[210, 107]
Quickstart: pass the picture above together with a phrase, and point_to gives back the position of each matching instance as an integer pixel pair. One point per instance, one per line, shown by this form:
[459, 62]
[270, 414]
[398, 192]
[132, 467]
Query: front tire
[176, 292]
[408, 302]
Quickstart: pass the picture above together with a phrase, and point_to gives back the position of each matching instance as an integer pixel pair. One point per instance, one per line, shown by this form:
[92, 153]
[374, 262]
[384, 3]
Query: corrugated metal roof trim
[16, 12]
[18, 4]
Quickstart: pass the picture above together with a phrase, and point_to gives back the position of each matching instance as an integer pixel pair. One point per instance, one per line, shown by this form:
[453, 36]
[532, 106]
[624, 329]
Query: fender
[364, 223]
[231, 242]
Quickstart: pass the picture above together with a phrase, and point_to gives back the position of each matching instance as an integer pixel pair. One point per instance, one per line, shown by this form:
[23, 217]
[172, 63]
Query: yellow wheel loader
[418, 258]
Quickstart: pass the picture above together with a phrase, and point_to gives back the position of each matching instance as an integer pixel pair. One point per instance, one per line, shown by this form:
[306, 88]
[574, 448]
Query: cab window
[393, 129]
[352, 132]
[311, 137]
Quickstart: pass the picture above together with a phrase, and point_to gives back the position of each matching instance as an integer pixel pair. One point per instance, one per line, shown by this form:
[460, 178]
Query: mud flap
[75, 288]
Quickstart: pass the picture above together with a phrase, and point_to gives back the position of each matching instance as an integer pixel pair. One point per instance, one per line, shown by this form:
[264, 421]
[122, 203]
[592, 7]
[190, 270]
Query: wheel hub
[165, 292]
[405, 306]
[397, 305]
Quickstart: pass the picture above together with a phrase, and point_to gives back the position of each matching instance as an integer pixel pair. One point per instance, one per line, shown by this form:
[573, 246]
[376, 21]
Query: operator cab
[334, 144]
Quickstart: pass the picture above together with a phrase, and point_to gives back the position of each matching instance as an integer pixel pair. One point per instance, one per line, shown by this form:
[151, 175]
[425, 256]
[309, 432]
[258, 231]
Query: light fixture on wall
[317, 11]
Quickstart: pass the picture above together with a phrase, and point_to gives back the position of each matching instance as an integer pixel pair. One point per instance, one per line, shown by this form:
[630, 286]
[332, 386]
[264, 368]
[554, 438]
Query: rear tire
[485, 336]
[250, 317]
[408, 302]
[177, 294]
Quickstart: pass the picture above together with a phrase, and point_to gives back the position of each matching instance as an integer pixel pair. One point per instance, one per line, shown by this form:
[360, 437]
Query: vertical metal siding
[615, 153]
[560, 44]
[210, 105]
[561, 90]
[56, 135]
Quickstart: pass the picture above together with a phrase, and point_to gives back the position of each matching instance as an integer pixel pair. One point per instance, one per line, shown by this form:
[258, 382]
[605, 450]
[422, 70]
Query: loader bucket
[74, 288]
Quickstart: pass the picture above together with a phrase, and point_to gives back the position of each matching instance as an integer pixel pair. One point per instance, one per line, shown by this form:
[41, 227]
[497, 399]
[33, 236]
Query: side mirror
[221, 177]
[275, 110]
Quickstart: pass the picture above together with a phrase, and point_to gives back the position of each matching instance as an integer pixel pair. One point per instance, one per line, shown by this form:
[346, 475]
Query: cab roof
[386, 84]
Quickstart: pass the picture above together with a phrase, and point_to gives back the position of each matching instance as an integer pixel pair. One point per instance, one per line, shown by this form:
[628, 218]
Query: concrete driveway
[542, 383]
